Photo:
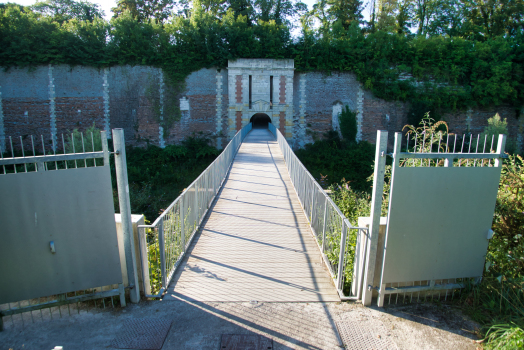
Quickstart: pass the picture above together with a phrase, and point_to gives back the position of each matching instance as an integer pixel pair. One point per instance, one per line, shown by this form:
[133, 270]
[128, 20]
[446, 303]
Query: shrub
[488, 138]
[157, 176]
[348, 124]
[506, 248]
[337, 159]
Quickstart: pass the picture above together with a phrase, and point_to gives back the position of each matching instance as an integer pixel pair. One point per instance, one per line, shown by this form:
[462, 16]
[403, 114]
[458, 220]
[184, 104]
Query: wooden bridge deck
[255, 243]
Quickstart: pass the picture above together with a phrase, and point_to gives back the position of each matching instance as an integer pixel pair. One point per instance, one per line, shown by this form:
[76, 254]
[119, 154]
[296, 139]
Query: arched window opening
[260, 121]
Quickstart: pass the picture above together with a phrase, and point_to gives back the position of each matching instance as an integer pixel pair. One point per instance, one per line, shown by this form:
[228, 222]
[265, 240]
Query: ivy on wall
[440, 72]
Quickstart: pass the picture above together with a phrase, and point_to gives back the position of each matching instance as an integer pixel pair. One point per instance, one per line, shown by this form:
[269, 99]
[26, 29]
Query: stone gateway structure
[261, 86]
[216, 102]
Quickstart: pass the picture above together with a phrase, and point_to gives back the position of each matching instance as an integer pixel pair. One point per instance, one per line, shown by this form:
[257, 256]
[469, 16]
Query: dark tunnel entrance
[260, 121]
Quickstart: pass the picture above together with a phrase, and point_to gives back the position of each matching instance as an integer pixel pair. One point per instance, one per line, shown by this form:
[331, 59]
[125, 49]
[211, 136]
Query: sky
[108, 4]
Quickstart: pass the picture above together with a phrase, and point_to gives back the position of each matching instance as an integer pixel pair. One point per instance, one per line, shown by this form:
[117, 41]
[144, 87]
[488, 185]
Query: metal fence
[163, 244]
[338, 240]
[76, 150]
[27, 156]
[460, 174]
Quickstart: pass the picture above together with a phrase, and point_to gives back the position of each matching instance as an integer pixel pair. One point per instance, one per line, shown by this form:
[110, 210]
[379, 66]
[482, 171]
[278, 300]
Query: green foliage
[80, 142]
[427, 137]
[489, 137]
[418, 110]
[506, 248]
[353, 204]
[497, 304]
[144, 10]
[157, 176]
[443, 71]
[336, 159]
[64, 10]
[506, 336]
[348, 124]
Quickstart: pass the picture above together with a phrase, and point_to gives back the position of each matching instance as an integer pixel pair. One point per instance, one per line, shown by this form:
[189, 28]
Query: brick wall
[323, 91]
[382, 115]
[132, 97]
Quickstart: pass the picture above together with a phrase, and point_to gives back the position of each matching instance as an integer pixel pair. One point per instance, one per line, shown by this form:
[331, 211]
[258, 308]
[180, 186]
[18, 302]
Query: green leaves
[338, 159]
[442, 69]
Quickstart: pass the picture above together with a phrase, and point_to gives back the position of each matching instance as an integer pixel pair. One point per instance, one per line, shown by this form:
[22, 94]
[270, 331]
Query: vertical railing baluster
[63, 146]
[324, 226]
[23, 155]
[162, 250]
[83, 149]
[12, 152]
[74, 151]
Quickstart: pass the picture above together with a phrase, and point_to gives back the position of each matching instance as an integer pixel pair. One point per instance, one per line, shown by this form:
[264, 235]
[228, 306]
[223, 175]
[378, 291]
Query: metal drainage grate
[364, 335]
[245, 342]
[143, 334]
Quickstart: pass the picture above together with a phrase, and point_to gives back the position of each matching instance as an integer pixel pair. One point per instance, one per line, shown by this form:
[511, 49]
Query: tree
[393, 16]
[386, 15]
[404, 16]
[424, 12]
[242, 8]
[281, 11]
[490, 18]
[449, 20]
[64, 10]
[346, 11]
[145, 10]
[343, 12]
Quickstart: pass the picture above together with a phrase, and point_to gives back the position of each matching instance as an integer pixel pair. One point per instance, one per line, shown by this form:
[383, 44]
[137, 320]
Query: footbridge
[254, 226]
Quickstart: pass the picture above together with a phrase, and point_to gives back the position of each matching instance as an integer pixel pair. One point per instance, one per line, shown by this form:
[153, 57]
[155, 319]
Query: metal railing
[162, 245]
[338, 240]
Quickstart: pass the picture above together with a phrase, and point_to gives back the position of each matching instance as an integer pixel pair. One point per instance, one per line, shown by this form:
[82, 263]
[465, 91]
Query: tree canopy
[441, 54]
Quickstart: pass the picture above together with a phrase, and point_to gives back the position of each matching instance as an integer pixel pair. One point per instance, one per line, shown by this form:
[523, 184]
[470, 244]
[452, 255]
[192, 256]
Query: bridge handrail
[328, 223]
[163, 246]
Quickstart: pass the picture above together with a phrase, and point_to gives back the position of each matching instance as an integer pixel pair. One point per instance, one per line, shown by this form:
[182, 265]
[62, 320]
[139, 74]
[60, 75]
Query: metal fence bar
[176, 227]
[376, 204]
[125, 212]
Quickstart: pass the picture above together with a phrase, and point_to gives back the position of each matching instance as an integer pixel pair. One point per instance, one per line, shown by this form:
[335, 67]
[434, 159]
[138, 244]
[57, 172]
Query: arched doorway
[260, 121]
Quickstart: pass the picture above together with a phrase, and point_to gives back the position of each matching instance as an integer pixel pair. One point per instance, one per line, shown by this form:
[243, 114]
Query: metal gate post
[376, 204]
[125, 212]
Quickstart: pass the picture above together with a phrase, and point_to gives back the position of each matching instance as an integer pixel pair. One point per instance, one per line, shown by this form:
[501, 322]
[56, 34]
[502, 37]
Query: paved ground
[199, 325]
[255, 243]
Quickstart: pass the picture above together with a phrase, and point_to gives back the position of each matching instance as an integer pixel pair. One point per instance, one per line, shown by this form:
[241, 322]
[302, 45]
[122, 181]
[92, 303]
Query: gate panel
[73, 209]
[438, 222]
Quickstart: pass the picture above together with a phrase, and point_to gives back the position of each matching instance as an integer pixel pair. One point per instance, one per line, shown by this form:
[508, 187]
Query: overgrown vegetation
[348, 124]
[334, 159]
[464, 53]
[157, 176]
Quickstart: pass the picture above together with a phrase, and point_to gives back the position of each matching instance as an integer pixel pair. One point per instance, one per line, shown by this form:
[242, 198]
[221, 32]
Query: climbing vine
[440, 72]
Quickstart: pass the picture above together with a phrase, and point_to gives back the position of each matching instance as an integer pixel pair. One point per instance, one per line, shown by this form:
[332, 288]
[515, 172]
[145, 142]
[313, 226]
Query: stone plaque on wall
[184, 104]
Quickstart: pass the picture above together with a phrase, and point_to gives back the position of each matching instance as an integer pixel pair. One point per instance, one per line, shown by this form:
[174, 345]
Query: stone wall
[52, 100]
